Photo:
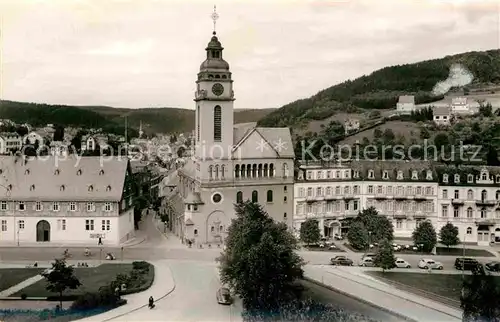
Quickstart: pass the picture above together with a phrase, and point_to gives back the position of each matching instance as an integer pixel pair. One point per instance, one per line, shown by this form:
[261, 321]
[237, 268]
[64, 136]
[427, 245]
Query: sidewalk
[163, 285]
[129, 243]
[382, 295]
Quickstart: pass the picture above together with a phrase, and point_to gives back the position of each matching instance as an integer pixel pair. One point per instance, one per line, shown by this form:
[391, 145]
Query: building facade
[230, 164]
[10, 142]
[70, 201]
[406, 104]
[406, 192]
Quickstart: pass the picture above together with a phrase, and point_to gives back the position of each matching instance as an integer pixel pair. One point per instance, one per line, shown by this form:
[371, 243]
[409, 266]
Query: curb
[331, 288]
[409, 300]
[72, 246]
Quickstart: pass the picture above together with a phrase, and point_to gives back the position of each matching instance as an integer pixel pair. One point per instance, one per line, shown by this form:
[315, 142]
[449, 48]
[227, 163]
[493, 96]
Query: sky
[146, 53]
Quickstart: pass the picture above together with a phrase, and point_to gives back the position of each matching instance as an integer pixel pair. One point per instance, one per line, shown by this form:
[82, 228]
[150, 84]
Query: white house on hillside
[406, 104]
[442, 115]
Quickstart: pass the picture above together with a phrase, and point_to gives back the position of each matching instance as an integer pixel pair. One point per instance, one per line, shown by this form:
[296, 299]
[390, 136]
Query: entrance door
[42, 231]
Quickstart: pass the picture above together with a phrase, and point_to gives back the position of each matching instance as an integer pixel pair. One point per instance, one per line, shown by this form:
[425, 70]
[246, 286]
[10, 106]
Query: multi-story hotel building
[406, 192]
[65, 201]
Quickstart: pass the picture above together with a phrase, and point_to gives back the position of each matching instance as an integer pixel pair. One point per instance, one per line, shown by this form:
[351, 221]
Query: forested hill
[154, 120]
[381, 89]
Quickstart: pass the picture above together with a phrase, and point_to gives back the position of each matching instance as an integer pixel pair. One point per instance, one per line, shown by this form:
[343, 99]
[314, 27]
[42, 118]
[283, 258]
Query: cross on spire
[215, 16]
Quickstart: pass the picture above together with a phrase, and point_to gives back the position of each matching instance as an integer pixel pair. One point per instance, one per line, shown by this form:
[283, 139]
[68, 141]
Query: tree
[385, 256]
[58, 133]
[60, 278]
[485, 109]
[441, 140]
[480, 299]
[358, 235]
[377, 133]
[388, 136]
[260, 262]
[379, 226]
[424, 133]
[309, 231]
[449, 235]
[425, 235]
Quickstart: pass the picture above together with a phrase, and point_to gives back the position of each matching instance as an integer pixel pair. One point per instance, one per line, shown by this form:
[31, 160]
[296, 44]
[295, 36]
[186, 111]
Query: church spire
[215, 16]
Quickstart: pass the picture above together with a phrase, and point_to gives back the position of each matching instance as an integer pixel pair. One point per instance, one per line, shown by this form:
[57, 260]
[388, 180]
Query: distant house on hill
[351, 125]
[406, 104]
[460, 105]
[442, 115]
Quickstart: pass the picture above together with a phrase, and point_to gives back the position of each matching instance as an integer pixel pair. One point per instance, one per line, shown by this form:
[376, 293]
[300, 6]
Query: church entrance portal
[42, 231]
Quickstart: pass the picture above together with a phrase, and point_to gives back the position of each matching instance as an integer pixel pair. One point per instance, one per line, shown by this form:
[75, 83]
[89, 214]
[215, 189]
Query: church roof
[56, 179]
[193, 198]
[279, 138]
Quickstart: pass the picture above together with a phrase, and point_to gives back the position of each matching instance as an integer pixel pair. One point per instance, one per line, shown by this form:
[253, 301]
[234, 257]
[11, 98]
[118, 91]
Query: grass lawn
[447, 285]
[92, 279]
[13, 276]
[459, 252]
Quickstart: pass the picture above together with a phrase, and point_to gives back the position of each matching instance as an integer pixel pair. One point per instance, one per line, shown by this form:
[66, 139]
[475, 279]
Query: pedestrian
[99, 242]
[430, 269]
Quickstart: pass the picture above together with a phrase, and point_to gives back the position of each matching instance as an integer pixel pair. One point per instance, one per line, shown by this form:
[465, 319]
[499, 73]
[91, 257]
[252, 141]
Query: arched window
[243, 171]
[91, 188]
[285, 170]
[222, 170]
[259, 170]
[101, 172]
[56, 172]
[237, 171]
[217, 124]
[269, 196]
[62, 188]
[216, 172]
[470, 194]
[254, 171]
[498, 194]
[239, 197]
[108, 188]
[32, 187]
[469, 212]
[196, 232]
[271, 170]
[255, 196]
[249, 170]
[484, 195]
[210, 172]
[265, 170]
[469, 230]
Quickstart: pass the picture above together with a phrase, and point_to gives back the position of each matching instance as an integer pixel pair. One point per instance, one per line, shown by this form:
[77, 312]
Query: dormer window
[414, 175]
[79, 172]
[371, 174]
[346, 174]
[498, 178]
[385, 175]
[101, 172]
[319, 175]
[445, 178]
[62, 188]
[484, 175]
[400, 175]
[108, 188]
[91, 188]
[56, 172]
[356, 174]
[470, 178]
[309, 175]
[457, 178]
[429, 175]
[9, 187]
[32, 187]
[27, 172]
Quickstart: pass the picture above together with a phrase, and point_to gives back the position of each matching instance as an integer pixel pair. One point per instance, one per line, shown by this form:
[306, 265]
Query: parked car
[366, 262]
[224, 296]
[371, 255]
[341, 260]
[426, 263]
[493, 266]
[401, 263]
[466, 264]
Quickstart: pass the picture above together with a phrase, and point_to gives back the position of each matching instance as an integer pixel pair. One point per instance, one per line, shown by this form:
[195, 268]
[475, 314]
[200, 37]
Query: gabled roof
[407, 99]
[57, 179]
[279, 138]
[441, 110]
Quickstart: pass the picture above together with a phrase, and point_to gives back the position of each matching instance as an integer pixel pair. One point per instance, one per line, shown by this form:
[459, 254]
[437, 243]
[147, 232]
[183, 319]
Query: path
[16, 288]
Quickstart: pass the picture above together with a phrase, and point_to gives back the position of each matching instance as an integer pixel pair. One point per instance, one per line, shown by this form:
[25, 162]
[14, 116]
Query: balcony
[348, 196]
[419, 197]
[331, 197]
[419, 214]
[350, 213]
[400, 197]
[486, 203]
[400, 215]
[457, 202]
[381, 196]
[310, 199]
[486, 222]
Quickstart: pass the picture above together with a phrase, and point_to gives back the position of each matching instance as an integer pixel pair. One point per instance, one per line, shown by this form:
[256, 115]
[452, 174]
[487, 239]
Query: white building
[406, 104]
[70, 201]
[442, 115]
[230, 164]
[10, 142]
[92, 142]
[460, 106]
[351, 125]
[407, 193]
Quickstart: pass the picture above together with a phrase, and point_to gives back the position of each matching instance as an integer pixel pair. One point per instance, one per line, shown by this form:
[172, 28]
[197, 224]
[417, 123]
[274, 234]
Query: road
[193, 299]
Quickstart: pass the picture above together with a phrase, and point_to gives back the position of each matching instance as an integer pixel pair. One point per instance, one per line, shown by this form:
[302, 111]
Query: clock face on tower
[218, 89]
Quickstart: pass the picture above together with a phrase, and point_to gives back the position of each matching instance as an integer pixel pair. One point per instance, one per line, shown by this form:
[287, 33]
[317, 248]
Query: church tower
[214, 99]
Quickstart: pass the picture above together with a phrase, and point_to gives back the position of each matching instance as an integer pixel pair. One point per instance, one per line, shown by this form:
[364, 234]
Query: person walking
[99, 242]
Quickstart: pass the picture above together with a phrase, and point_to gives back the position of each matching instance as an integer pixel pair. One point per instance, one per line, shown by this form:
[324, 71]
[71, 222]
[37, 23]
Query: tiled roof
[57, 179]
[392, 168]
[441, 110]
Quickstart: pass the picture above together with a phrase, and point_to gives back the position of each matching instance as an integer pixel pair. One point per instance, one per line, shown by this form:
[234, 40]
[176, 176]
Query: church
[230, 163]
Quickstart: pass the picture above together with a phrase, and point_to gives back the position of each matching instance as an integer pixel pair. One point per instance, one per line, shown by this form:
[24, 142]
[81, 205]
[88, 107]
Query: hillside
[381, 89]
[154, 120]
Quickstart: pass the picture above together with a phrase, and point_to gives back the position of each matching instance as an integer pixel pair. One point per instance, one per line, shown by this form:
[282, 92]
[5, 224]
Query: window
[355, 205]
[89, 224]
[61, 224]
[379, 189]
[356, 189]
[414, 175]
[32, 187]
[347, 190]
[469, 230]
[456, 212]
[356, 174]
[457, 178]
[371, 174]
[385, 175]
[255, 196]
[62, 188]
[328, 174]
[239, 196]
[4, 225]
[55, 206]
[20, 224]
[107, 206]
[444, 211]
[72, 206]
[469, 212]
[484, 195]
[196, 230]
[337, 190]
[3, 205]
[445, 194]
[328, 191]
[483, 213]
[91, 188]
[56, 172]
[457, 194]
[269, 196]
[38, 206]
[79, 172]
[217, 123]
[484, 176]
[27, 172]
[470, 178]
[445, 178]
[470, 194]
[400, 175]
[21, 206]
[106, 225]
[284, 216]
[101, 172]
[309, 192]
[429, 175]
[108, 188]
[319, 192]
[337, 174]
[399, 224]
[90, 206]
[497, 195]
[319, 174]
[419, 190]
[370, 189]
[309, 173]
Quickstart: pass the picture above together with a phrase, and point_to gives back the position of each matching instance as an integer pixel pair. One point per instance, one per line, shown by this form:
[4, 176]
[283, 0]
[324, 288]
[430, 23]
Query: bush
[23, 296]
[105, 298]
[142, 265]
